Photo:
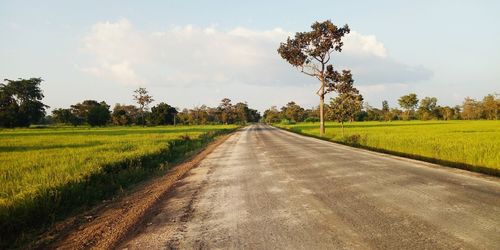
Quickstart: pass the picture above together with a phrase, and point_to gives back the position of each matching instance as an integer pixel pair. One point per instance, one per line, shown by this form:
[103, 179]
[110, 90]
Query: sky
[190, 53]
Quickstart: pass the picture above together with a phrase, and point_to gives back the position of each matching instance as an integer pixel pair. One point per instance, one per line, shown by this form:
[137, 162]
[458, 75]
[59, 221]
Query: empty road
[265, 188]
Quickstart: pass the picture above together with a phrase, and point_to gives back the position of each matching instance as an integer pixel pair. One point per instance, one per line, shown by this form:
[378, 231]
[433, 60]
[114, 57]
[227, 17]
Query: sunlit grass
[44, 171]
[474, 143]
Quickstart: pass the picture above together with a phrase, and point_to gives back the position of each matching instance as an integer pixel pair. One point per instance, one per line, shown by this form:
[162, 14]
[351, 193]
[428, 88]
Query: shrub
[185, 137]
[353, 140]
[287, 122]
[311, 119]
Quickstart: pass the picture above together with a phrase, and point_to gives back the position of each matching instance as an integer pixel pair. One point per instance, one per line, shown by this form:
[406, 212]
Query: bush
[311, 119]
[287, 122]
[353, 140]
[185, 137]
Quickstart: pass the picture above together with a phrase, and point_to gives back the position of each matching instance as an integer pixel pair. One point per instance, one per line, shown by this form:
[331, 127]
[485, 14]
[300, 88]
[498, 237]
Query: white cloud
[116, 48]
[357, 44]
[190, 56]
[375, 88]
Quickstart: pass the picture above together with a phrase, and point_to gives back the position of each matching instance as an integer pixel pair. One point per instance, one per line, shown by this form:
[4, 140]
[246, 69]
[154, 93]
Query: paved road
[265, 188]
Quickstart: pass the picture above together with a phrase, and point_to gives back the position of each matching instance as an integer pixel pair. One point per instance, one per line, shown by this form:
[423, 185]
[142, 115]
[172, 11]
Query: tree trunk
[342, 124]
[142, 118]
[321, 115]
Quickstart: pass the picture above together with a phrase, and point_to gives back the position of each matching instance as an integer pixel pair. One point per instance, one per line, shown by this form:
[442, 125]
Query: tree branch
[317, 92]
[305, 72]
[317, 59]
[329, 54]
[314, 71]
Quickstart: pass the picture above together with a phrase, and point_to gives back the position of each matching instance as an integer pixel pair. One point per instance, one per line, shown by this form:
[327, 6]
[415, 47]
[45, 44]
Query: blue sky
[190, 53]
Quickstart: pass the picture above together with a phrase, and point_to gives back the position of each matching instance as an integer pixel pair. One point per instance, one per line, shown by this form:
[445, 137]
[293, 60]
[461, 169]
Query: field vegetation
[473, 145]
[46, 174]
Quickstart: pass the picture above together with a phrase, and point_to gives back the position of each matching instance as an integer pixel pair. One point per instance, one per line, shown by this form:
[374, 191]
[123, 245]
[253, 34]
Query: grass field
[47, 173]
[474, 145]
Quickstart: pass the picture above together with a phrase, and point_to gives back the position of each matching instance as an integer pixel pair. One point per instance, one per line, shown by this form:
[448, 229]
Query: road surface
[265, 188]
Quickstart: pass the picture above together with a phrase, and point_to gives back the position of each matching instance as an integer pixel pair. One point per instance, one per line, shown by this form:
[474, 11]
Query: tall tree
[471, 109]
[99, 115]
[386, 110]
[385, 106]
[293, 112]
[162, 114]
[457, 112]
[396, 114]
[427, 108]
[310, 52]
[253, 115]
[242, 112]
[213, 115]
[64, 116]
[272, 115]
[448, 113]
[409, 104]
[81, 111]
[491, 107]
[373, 114]
[245, 114]
[183, 116]
[142, 98]
[20, 102]
[227, 111]
[124, 114]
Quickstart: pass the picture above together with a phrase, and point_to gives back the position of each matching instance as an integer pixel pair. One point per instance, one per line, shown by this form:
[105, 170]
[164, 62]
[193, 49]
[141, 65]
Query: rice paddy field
[474, 145]
[47, 173]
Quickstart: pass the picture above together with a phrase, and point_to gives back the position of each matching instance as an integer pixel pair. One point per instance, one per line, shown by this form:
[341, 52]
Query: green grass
[45, 174]
[473, 145]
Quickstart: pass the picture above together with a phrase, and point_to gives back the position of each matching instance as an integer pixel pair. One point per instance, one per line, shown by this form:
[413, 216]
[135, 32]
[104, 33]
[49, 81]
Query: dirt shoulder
[105, 225]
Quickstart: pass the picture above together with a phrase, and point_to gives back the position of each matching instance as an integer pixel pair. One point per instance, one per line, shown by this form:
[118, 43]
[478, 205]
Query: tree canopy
[427, 108]
[142, 98]
[91, 112]
[162, 114]
[347, 104]
[21, 102]
[409, 104]
[311, 51]
[125, 114]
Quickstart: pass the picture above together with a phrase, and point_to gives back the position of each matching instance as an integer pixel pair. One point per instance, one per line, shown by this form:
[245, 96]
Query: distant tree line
[21, 105]
[410, 108]
[93, 113]
[98, 114]
[225, 113]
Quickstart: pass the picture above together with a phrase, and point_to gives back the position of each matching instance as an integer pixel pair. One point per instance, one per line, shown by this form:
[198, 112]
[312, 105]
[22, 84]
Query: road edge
[491, 174]
[105, 226]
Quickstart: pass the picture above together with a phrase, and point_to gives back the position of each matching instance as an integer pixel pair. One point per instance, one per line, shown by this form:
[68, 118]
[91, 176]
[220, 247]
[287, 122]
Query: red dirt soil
[106, 224]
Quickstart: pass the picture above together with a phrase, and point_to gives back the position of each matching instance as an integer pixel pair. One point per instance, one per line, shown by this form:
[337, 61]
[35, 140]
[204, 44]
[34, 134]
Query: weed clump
[353, 140]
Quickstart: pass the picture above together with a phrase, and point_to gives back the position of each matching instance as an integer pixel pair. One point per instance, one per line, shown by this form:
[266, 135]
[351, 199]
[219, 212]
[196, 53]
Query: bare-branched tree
[142, 98]
[311, 52]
